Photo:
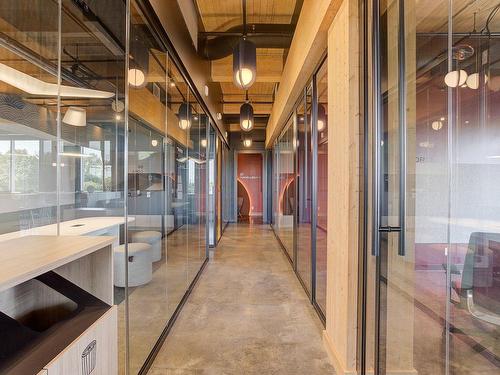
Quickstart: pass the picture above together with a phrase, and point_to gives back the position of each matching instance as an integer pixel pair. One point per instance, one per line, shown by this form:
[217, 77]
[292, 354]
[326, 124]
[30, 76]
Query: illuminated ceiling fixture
[455, 78]
[117, 105]
[244, 64]
[203, 143]
[437, 125]
[75, 116]
[34, 86]
[184, 116]
[154, 142]
[247, 142]
[246, 116]
[321, 118]
[136, 77]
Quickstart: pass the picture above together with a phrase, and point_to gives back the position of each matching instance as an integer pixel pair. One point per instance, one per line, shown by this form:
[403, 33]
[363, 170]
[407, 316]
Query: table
[88, 226]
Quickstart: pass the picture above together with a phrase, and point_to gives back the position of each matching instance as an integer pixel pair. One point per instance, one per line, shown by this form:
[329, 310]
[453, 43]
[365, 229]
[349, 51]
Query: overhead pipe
[217, 45]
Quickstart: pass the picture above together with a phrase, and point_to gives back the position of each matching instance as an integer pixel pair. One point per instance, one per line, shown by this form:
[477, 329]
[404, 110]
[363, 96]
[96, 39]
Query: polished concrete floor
[248, 314]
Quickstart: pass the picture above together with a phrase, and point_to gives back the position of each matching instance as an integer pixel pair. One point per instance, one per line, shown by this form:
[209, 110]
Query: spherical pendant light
[184, 116]
[244, 64]
[455, 78]
[246, 117]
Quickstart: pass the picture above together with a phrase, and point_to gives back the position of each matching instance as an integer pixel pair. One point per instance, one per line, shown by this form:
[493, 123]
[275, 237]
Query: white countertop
[76, 227]
[24, 258]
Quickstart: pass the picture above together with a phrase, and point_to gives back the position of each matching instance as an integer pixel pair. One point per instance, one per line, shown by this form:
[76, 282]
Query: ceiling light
[244, 64]
[172, 84]
[437, 125]
[246, 117]
[455, 78]
[247, 142]
[136, 77]
[184, 116]
[75, 116]
[118, 117]
[34, 86]
[203, 143]
[473, 81]
[154, 142]
[117, 105]
[321, 118]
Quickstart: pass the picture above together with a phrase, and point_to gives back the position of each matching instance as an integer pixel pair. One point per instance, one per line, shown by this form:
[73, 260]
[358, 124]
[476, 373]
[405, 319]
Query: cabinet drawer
[94, 352]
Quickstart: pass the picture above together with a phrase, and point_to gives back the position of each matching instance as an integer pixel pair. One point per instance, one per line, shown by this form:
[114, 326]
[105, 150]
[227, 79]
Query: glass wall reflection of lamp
[203, 143]
[244, 64]
[184, 116]
[321, 118]
[75, 116]
[35, 86]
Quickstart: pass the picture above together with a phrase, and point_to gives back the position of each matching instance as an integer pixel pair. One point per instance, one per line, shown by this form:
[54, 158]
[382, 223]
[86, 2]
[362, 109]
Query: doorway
[250, 187]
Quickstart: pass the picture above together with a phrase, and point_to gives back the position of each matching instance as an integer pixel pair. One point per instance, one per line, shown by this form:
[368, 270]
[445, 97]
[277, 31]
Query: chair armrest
[481, 315]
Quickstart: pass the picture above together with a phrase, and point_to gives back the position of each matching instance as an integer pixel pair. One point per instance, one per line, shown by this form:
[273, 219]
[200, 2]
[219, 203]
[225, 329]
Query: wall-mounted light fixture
[244, 64]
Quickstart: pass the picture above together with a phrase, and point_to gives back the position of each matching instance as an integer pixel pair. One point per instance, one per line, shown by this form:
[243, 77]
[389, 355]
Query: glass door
[433, 273]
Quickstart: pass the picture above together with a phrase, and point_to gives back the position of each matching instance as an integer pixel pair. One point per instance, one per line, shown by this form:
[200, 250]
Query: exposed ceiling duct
[217, 45]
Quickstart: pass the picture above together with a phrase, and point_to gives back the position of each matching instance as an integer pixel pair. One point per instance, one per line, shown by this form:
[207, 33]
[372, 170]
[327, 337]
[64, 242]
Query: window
[92, 170]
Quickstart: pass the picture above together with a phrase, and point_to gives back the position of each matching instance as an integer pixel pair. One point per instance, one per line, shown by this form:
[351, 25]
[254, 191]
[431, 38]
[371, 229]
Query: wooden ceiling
[221, 15]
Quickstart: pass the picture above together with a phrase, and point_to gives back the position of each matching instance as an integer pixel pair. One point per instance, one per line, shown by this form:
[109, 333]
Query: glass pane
[473, 257]
[286, 189]
[304, 189]
[322, 188]
[28, 121]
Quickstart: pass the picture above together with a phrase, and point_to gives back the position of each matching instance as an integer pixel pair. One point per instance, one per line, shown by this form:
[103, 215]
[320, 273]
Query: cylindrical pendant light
[246, 117]
[244, 64]
[184, 116]
[247, 142]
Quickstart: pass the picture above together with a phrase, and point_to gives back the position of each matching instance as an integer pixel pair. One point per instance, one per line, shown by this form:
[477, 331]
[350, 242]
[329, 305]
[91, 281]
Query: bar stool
[140, 265]
[151, 237]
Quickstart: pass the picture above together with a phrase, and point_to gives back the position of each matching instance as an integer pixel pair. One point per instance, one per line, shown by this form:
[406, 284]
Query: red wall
[250, 176]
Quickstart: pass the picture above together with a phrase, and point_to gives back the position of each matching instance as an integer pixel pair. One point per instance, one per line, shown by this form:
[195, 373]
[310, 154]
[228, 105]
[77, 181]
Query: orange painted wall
[250, 176]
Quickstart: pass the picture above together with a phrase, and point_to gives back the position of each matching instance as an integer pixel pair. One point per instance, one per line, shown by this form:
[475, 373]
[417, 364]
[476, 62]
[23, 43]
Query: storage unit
[56, 306]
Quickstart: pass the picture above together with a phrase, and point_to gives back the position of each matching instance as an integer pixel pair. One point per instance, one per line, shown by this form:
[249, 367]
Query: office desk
[88, 226]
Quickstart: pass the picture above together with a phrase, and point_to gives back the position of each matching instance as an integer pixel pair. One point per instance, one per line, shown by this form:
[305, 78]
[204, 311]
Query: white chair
[151, 237]
[140, 265]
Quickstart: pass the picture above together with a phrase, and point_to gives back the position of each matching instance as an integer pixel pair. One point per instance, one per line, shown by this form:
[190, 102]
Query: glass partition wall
[433, 261]
[300, 188]
[103, 131]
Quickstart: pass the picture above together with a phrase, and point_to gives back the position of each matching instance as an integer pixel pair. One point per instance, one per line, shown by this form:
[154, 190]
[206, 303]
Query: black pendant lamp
[244, 64]
[184, 116]
[246, 116]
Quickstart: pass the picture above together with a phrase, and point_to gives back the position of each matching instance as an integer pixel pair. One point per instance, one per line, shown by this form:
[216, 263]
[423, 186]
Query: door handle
[402, 128]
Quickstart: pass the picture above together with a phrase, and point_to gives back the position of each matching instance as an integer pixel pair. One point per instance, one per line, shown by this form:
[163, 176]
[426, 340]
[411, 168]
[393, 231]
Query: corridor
[248, 314]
